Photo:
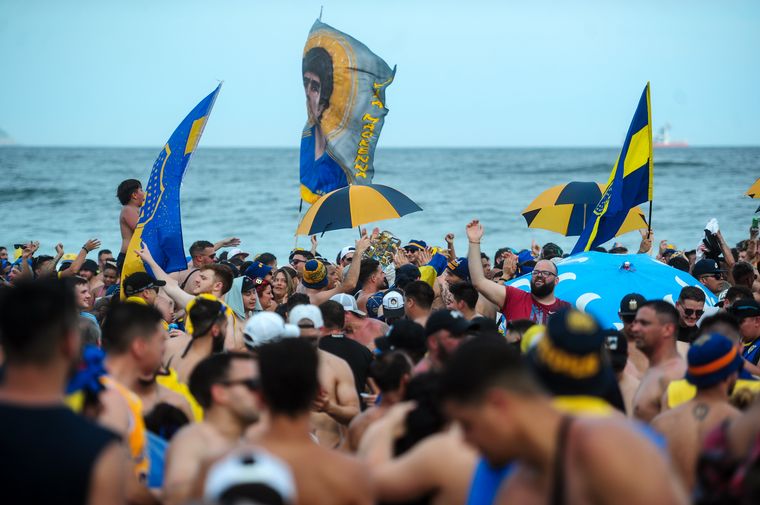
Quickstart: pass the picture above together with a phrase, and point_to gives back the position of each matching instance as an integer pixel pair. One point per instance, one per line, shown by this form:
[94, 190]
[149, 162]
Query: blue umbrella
[595, 282]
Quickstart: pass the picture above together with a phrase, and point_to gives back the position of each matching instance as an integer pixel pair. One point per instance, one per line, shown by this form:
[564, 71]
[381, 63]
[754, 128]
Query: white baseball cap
[393, 304]
[308, 312]
[345, 252]
[237, 251]
[349, 303]
[264, 327]
[251, 476]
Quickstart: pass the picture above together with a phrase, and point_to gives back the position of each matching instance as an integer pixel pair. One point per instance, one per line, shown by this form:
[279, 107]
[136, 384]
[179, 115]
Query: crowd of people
[410, 376]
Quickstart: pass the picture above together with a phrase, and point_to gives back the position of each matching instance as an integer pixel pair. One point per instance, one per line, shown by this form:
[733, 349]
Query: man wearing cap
[691, 307]
[406, 336]
[747, 311]
[258, 270]
[709, 273]
[314, 276]
[444, 331]
[637, 361]
[555, 457]
[358, 326]
[515, 303]
[227, 387]
[143, 286]
[654, 331]
[714, 365]
[337, 401]
[345, 256]
[393, 306]
[413, 250]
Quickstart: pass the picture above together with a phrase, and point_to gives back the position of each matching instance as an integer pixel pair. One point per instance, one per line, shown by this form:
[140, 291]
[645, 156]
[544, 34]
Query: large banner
[344, 83]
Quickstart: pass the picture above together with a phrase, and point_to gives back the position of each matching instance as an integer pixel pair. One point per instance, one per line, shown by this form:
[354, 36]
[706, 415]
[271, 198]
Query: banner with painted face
[344, 83]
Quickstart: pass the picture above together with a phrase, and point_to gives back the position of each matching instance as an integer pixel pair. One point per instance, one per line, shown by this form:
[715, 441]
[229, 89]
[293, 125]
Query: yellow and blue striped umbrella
[353, 206]
[565, 208]
[754, 190]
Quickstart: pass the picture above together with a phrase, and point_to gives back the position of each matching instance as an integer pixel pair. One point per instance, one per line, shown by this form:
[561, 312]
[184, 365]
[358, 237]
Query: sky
[470, 74]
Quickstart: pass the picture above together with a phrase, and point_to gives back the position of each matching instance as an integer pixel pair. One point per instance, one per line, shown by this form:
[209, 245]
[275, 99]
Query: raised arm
[450, 245]
[172, 289]
[495, 293]
[228, 242]
[88, 246]
[352, 277]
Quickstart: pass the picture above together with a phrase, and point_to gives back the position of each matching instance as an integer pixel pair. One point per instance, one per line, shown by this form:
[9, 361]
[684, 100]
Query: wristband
[83, 247]
[471, 242]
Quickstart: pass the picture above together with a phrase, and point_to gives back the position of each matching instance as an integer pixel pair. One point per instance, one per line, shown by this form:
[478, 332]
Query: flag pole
[298, 221]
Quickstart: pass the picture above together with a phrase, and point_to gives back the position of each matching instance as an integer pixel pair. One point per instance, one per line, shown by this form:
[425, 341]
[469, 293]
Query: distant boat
[662, 139]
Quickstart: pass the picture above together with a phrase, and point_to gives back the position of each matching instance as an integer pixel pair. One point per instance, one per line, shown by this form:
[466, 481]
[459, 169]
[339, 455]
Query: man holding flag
[630, 182]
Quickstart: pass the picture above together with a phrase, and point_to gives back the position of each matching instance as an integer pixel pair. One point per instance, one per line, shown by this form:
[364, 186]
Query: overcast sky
[502, 73]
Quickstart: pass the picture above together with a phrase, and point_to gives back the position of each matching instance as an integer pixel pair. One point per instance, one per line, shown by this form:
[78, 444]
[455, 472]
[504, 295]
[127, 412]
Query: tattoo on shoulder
[700, 411]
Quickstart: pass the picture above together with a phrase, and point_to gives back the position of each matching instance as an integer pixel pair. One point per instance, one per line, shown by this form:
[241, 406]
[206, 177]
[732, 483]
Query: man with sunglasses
[515, 303]
[690, 306]
[298, 259]
[202, 252]
[709, 273]
[227, 387]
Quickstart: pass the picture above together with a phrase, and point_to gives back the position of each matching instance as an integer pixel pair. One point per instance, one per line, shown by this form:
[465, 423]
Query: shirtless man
[714, 364]
[359, 327]
[322, 476]
[131, 196]
[616, 344]
[371, 280]
[184, 352]
[315, 276]
[390, 372]
[654, 330]
[487, 388]
[637, 361]
[226, 386]
[202, 252]
[337, 401]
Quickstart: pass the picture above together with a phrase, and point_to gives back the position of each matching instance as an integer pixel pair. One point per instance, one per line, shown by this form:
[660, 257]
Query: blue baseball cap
[258, 270]
[459, 267]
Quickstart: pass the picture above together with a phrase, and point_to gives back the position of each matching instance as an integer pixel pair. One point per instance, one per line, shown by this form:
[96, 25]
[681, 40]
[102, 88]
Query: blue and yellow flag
[630, 182]
[344, 83]
[160, 224]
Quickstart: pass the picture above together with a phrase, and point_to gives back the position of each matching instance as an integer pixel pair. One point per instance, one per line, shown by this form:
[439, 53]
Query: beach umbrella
[754, 190]
[595, 282]
[354, 206]
[565, 208]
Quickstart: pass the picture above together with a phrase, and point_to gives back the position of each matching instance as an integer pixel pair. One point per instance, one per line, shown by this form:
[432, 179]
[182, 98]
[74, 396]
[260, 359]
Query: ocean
[68, 195]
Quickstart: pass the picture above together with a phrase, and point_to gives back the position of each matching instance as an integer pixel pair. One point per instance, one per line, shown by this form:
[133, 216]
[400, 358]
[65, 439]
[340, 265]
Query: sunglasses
[691, 312]
[295, 262]
[542, 273]
[251, 384]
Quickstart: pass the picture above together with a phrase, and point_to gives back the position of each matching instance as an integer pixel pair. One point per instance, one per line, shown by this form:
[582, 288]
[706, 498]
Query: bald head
[546, 265]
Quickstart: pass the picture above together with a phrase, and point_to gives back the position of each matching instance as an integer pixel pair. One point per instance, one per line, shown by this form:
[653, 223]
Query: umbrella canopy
[354, 206]
[754, 190]
[595, 282]
[564, 209]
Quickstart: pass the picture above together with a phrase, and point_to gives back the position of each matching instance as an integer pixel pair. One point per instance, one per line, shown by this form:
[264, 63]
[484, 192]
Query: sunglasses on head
[691, 312]
[251, 384]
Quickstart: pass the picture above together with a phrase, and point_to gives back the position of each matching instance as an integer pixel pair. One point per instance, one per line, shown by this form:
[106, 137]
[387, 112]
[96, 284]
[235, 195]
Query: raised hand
[30, 249]
[313, 244]
[535, 248]
[475, 231]
[91, 245]
[425, 256]
[362, 244]
[647, 236]
[229, 242]
[400, 259]
[449, 238]
[59, 249]
[144, 253]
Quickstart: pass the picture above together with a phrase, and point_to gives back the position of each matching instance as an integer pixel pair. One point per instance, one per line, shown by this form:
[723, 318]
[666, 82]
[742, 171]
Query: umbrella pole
[298, 220]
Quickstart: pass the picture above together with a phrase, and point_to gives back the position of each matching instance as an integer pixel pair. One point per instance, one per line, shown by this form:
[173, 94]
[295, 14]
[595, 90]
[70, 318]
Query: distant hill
[5, 139]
